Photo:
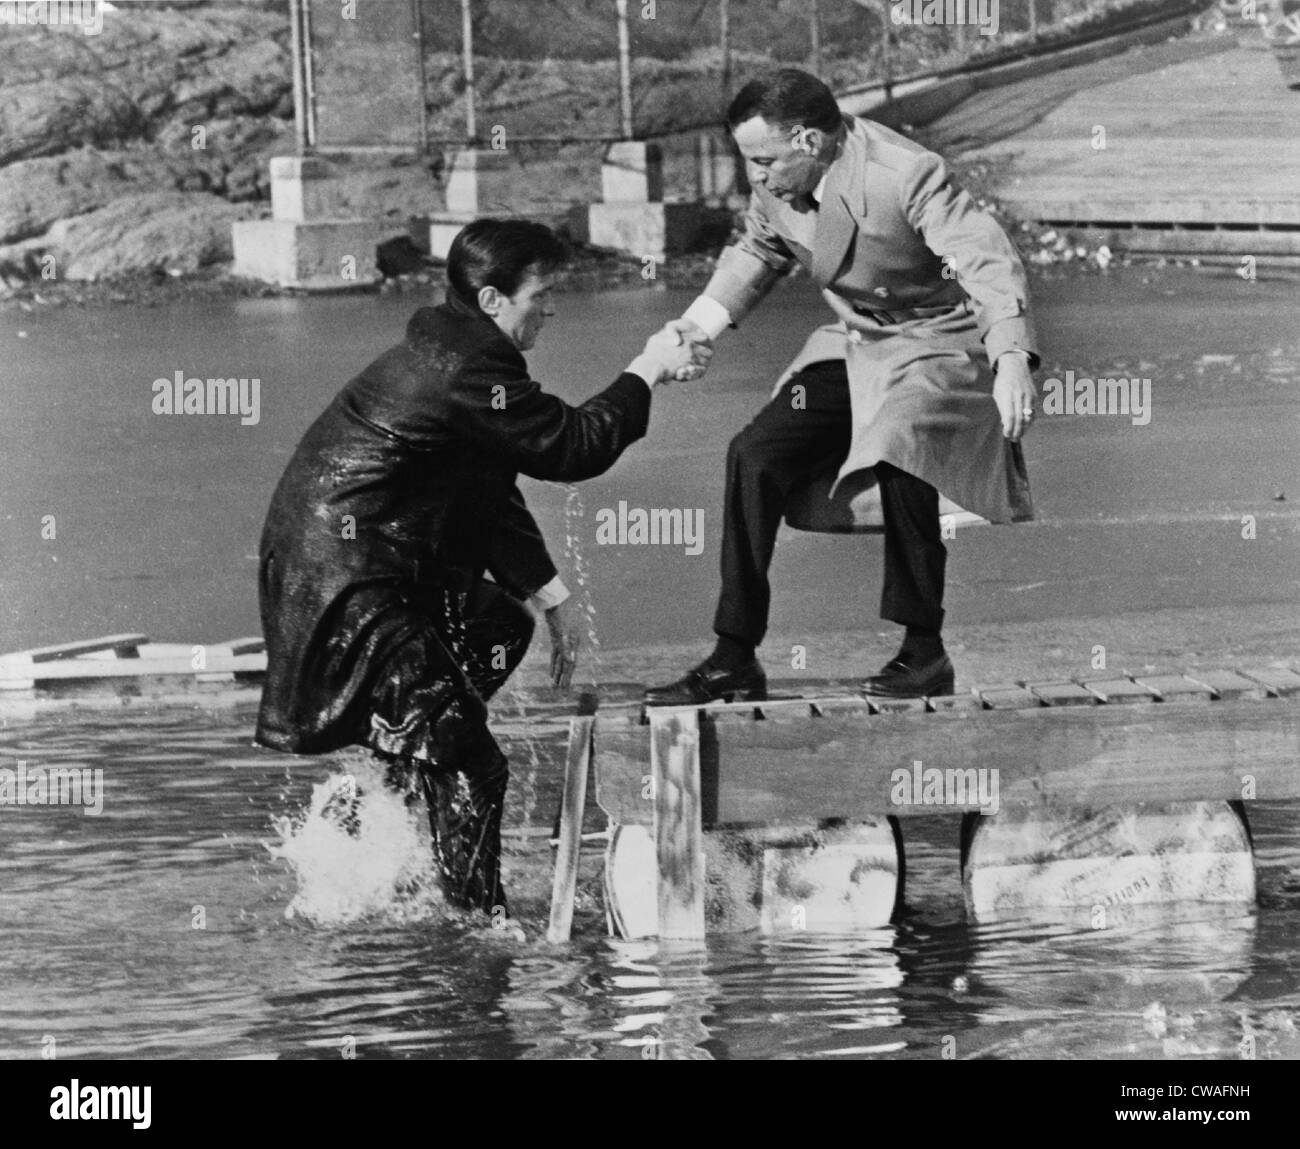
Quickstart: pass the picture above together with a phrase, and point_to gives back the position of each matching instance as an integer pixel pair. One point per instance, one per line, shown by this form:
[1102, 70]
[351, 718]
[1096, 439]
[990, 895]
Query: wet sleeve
[494, 403]
[517, 556]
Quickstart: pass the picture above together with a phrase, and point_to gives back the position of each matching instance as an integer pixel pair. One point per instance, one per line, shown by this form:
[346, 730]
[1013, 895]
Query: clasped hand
[679, 350]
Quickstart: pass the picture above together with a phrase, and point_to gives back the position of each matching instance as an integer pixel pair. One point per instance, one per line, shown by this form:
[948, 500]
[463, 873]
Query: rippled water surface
[101, 951]
[210, 912]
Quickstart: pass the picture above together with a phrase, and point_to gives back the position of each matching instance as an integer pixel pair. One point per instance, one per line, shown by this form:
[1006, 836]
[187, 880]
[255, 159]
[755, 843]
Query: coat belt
[902, 315]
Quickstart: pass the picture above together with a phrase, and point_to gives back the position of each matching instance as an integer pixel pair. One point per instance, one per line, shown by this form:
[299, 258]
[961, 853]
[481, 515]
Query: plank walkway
[1220, 734]
[1211, 140]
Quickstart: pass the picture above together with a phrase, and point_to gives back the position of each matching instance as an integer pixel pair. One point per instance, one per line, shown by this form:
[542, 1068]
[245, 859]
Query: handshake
[680, 350]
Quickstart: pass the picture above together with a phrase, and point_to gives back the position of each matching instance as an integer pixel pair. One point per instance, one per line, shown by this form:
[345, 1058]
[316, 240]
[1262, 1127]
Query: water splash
[358, 851]
[574, 514]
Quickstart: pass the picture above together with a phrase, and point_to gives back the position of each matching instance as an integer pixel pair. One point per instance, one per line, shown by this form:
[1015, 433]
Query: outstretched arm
[746, 272]
[494, 403]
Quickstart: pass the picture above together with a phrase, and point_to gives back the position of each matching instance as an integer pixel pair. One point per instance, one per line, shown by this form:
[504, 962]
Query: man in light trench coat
[925, 377]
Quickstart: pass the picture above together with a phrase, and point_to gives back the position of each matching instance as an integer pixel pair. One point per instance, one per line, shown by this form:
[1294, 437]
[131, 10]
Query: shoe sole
[944, 690]
[753, 694]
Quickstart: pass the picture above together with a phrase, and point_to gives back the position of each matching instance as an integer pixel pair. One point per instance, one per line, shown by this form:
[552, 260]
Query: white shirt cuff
[712, 318]
[551, 595]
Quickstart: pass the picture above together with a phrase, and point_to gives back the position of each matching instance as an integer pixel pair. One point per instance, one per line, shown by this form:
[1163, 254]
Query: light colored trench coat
[894, 235]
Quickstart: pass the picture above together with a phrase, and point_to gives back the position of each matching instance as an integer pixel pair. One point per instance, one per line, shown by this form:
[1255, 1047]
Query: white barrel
[1107, 858]
[834, 878]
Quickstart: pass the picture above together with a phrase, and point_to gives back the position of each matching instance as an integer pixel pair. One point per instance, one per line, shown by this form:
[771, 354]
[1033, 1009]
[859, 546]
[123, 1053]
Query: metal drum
[1107, 858]
[834, 878]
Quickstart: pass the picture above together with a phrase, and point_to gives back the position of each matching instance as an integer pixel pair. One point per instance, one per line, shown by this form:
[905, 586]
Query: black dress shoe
[910, 679]
[708, 683]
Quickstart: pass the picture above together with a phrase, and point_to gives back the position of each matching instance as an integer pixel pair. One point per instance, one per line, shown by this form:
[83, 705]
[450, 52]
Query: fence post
[624, 73]
[467, 56]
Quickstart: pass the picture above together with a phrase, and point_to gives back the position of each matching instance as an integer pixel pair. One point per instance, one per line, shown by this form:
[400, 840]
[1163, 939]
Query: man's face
[521, 316]
[773, 162]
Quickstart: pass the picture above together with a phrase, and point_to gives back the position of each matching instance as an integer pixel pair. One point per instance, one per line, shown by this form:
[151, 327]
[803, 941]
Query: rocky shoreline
[126, 157]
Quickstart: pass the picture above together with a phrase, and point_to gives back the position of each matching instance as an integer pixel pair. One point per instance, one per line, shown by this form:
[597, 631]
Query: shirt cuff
[709, 315]
[1030, 357]
[551, 595]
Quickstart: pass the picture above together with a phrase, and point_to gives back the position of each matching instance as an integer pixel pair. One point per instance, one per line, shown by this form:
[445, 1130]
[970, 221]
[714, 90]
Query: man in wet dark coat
[381, 629]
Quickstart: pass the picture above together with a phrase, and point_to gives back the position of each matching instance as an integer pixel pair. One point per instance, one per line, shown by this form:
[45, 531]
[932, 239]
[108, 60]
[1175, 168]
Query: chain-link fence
[550, 82]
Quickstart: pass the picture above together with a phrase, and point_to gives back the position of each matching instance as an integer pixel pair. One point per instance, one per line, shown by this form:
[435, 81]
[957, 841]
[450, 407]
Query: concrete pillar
[632, 172]
[471, 176]
[715, 171]
[475, 187]
[300, 188]
[305, 244]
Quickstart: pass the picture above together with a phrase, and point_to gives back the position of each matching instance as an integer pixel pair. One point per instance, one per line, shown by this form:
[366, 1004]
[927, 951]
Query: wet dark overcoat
[404, 487]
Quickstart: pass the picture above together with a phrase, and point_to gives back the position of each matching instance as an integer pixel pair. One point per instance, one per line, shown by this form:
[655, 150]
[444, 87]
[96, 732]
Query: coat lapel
[836, 220]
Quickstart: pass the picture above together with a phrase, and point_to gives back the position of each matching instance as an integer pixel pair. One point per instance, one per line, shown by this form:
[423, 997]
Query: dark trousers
[445, 746]
[782, 449]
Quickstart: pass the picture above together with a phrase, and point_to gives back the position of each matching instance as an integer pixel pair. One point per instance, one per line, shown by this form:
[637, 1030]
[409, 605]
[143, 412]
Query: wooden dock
[798, 800]
[1057, 747]
[126, 657]
[1200, 156]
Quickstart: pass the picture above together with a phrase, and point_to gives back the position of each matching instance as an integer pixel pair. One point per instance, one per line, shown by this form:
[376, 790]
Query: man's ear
[489, 300]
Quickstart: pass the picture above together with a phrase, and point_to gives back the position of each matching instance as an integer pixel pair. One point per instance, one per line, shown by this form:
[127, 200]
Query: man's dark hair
[786, 97]
[500, 253]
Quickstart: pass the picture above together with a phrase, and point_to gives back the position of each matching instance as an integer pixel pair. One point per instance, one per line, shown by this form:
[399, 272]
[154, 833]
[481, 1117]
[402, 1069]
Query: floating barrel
[838, 877]
[1114, 856]
[855, 506]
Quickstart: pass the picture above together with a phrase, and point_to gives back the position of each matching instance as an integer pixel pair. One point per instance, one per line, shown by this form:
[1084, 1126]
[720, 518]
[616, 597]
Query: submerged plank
[565, 883]
[679, 843]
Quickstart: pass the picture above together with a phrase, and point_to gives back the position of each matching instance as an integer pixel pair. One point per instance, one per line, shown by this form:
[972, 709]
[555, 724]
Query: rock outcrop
[134, 149]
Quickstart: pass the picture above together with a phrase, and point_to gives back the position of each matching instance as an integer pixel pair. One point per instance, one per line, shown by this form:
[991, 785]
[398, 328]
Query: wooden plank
[141, 667]
[841, 766]
[1117, 691]
[124, 645]
[897, 705]
[726, 711]
[252, 645]
[1171, 687]
[786, 710]
[574, 804]
[678, 828]
[841, 707]
[1228, 684]
[1285, 683]
[1007, 697]
[1062, 693]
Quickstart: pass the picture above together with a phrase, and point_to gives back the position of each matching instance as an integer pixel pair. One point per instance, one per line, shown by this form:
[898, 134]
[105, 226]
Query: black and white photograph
[651, 530]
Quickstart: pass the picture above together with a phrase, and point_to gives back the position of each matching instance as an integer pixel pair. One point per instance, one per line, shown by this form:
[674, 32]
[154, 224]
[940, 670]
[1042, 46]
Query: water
[157, 517]
[312, 939]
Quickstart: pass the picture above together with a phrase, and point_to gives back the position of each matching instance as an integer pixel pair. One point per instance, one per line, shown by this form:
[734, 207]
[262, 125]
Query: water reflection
[97, 933]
